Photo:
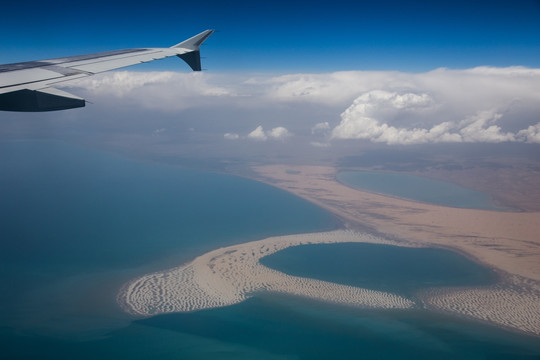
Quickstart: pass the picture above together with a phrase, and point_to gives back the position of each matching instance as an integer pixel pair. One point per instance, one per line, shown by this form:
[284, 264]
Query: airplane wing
[28, 86]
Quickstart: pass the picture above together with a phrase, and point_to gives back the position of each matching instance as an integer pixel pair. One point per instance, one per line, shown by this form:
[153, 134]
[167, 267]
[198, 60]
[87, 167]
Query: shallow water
[418, 188]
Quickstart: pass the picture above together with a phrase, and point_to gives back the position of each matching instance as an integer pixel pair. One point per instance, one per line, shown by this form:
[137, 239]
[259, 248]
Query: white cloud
[481, 128]
[375, 116]
[330, 88]
[360, 120]
[231, 136]
[166, 90]
[257, 134]
[320, 127]
[531, 134]
[482, 104]
[279, 133]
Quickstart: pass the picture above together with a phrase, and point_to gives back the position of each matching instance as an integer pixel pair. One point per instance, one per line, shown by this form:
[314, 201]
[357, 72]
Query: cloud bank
[365, 119]
[277, 133]
[479, 105]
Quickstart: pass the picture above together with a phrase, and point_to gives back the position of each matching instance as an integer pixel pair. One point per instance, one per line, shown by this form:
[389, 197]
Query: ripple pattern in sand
[230, 275]
[514, 304]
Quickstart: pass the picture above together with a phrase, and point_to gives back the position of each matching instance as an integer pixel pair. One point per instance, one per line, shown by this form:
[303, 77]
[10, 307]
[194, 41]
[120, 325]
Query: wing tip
[192, 55]
[194, 43]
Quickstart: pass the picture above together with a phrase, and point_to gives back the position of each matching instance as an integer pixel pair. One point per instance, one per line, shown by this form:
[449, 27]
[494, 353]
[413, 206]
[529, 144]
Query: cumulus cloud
[372, 116]
[231, 136]
[360, 120]
[482, 128]
[257, 134]
[482, 104]
[279, 133]
[531, 134]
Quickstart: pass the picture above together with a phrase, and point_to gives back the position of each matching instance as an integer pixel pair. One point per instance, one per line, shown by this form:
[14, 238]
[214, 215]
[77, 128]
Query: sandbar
[232, 274]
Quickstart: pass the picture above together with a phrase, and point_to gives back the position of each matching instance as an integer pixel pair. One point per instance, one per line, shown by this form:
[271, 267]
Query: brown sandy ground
[508, 242]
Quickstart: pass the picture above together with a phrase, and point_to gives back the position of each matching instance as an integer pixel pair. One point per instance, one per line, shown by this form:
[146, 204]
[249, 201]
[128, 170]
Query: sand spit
[230, 275]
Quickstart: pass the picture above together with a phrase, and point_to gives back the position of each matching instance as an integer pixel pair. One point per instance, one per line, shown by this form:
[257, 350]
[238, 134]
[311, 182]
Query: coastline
[232, 274]
[506, 242]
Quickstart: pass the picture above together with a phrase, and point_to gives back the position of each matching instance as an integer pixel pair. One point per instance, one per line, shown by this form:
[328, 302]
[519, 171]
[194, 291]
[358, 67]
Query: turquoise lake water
[75, 224]
[418, 188]
[380, 267]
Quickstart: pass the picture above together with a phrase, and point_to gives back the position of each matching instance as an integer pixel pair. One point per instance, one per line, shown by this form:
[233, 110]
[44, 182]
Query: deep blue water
[418, 188]
[286, 328]
[75, 224]
[380, 267]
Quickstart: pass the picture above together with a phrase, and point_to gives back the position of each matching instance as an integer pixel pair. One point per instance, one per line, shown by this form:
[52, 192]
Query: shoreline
[497, 207]
[232, 274]
[221, 277]
[505, 241]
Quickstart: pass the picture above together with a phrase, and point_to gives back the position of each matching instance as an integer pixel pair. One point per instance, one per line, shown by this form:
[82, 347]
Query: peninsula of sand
[506, 241]
[232, 274]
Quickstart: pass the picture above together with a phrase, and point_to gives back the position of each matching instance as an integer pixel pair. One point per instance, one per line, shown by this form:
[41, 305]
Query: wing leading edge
[27, 86]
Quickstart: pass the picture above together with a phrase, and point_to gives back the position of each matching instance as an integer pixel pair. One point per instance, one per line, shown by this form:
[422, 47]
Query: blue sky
[285, 36]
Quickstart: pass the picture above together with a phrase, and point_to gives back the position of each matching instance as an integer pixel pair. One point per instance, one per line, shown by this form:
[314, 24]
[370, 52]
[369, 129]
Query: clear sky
[284, 36]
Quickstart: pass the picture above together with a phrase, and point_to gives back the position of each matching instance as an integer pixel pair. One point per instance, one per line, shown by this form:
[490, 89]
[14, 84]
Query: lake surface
[418, 188]
[390, 268]
[75, 224]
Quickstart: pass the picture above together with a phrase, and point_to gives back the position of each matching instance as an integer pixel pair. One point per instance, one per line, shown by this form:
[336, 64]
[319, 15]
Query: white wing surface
[27, 86]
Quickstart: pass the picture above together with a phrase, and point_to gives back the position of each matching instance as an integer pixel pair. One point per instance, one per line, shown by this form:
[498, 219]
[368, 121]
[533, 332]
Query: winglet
[191, 48]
